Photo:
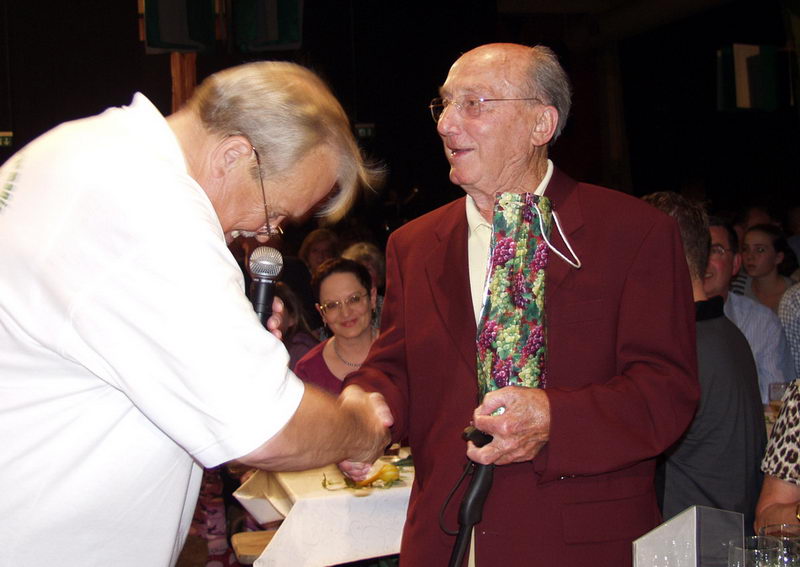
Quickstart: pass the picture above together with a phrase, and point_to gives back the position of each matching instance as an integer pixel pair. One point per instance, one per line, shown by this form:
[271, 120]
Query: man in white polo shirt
[127, 364]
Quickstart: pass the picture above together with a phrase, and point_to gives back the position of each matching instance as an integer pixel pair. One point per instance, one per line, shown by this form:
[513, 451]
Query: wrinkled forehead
[488, 74]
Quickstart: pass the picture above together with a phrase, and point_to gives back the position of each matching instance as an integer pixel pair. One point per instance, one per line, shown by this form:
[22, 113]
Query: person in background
[747, 217]
[374, 260]
[575, 456]
[793, 230]
[128, 377]
[779, 502]
[347, 299]
[768, 261]
[296, 335]
[319, 245]
[789, 313]
[759, 324]
[727, 432]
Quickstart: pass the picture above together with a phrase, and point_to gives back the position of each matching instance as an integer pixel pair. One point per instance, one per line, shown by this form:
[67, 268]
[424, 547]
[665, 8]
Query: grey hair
[547, 80]
[285, 110]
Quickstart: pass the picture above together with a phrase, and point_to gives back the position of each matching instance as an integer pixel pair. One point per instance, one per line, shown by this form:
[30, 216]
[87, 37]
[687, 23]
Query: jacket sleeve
[385, 369]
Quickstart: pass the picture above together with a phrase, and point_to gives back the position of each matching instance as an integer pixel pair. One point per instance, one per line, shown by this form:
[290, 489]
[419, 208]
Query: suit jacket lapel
[447, 269]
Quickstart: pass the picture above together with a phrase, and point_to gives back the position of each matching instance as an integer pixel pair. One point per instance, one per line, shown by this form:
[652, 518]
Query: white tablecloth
[325, 527]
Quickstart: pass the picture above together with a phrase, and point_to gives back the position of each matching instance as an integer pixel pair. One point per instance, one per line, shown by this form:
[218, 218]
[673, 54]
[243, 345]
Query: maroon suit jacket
[622, 381]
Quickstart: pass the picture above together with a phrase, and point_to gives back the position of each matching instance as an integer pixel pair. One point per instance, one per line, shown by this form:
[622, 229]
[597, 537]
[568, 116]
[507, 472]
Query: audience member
[759, 324]
[789, 313]
[575, 456]
[779, 502]
[318, 245]
[321, 244]
[768, 261]
[751, 216]
[716, 462]
[295, 333]
[793, 230]
[346, 302]
[372, 258]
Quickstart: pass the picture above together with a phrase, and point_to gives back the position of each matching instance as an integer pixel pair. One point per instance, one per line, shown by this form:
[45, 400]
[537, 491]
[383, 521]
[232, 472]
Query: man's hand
[275, 320]
[519, 432]
[356, 471]
[374, 418]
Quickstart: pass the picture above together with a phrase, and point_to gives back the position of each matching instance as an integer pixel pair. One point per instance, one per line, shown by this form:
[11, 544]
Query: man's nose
[448, 121]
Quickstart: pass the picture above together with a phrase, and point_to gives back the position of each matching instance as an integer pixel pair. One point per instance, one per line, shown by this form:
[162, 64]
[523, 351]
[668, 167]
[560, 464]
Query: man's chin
[713, 291]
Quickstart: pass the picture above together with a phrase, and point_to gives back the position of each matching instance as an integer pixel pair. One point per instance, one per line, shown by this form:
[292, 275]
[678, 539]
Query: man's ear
[228, 153]
[545, 126]
[736, 265]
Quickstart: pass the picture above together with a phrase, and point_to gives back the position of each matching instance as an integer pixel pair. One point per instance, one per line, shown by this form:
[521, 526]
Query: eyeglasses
[469, 106]
[266, 230]
[336, 306]
[719, 250]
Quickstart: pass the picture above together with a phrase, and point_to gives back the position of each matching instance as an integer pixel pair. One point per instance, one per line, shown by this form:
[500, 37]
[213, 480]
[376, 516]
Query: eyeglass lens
[350, 301]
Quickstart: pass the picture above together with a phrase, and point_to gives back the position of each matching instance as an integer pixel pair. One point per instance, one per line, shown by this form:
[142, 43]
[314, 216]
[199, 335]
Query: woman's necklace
[347, 362]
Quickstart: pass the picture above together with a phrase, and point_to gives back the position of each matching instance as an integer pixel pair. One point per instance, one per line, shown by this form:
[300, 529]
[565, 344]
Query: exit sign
[365, 130]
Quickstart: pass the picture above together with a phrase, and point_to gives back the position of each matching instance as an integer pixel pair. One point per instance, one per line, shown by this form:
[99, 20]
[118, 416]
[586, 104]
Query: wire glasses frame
[266, 230]
[718, 250]
[469, 106]
[351, 301]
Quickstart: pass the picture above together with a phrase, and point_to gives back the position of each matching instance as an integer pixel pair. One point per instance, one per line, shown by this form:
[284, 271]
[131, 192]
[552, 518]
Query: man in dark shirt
[716, 462]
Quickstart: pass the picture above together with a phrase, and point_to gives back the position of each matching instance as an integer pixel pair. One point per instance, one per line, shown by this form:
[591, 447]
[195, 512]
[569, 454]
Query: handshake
[370, 433]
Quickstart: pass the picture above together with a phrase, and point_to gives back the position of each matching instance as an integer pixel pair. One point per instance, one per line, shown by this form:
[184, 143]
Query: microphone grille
[265, 262]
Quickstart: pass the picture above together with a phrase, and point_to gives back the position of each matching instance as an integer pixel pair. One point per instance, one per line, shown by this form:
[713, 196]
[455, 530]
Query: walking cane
[471, 510]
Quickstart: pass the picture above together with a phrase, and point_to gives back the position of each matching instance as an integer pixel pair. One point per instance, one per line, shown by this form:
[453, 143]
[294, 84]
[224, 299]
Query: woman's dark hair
[789, 264]
[293, 307]
[340, 266]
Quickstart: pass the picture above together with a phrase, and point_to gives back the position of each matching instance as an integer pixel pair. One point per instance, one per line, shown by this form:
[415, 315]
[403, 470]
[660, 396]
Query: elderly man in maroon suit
[575, 460]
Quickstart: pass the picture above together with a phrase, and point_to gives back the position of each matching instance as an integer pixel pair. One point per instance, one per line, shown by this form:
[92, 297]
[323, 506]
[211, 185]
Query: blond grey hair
[285, 110]
[547, 80]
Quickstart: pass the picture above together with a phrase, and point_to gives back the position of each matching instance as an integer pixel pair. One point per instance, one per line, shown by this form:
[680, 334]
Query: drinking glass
[789, 536]
[757, 551]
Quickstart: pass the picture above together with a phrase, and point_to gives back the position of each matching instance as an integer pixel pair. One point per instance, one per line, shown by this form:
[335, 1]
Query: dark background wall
[644, 74]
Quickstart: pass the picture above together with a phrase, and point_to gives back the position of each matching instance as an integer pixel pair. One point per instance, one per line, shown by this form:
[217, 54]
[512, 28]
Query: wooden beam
[183, 68]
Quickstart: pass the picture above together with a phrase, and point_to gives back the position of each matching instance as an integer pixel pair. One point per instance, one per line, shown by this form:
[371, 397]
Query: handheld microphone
[265, 265]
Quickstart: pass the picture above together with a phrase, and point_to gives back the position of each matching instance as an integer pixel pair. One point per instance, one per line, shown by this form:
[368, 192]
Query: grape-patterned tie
[511, 331]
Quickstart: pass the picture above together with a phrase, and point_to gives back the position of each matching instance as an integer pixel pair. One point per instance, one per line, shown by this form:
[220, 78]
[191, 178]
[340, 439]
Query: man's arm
[326, 430]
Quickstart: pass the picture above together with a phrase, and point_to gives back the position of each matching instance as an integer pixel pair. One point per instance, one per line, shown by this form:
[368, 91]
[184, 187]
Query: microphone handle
[262, 291]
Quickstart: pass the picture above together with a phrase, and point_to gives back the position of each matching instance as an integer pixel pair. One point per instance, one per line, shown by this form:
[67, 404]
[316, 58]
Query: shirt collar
[474, 218]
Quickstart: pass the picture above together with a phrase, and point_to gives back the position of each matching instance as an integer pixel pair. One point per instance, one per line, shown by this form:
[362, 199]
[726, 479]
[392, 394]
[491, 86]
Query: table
[325, 527]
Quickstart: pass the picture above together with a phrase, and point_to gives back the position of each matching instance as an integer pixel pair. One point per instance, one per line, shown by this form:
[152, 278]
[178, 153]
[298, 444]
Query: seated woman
[779, 502]
[372, 258]
[346, 302]
[297, 336]
[769, 262]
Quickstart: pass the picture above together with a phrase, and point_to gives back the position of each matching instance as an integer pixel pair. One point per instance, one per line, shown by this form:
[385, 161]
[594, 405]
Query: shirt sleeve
[163, 319]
